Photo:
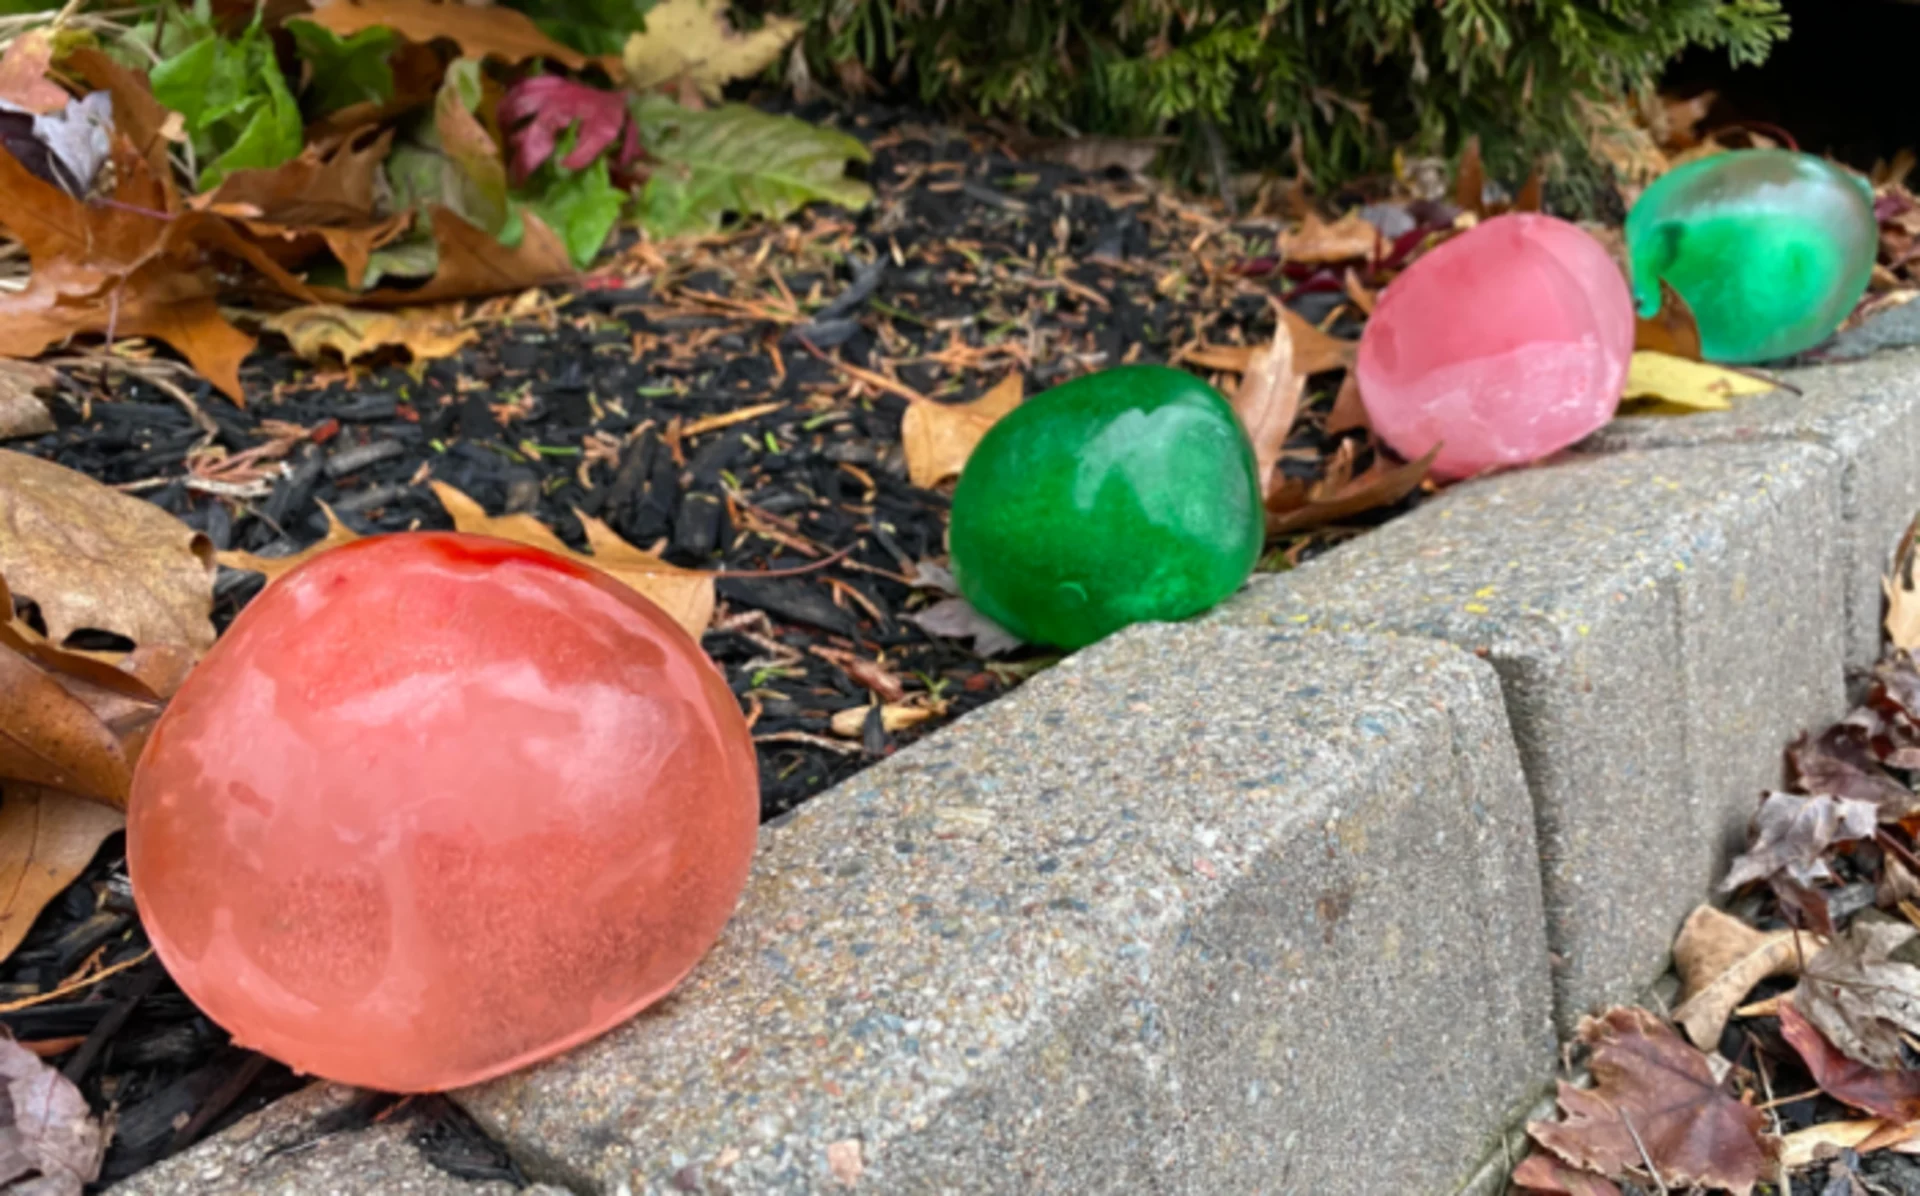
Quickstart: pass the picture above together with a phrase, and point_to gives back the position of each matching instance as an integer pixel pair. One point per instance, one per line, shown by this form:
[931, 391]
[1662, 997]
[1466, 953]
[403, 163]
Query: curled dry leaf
[1670, 330]
[1816, 1142]
[426, 333]
[1861, 993]
[46, 1130]
[1294, 507]
[1348, 412]
[939, 437]
[1267, 402]
[1470, 179]
[1903, 601]
[91, 557]
[1841, 764]
[894, 716]
[276, 567]
[1652, 1090]
[684, 594]
[47, 839]
[695, 41]
[472, 262]
[22, 411]
[1693, 385]
[1893, 1094]
[1315, 242]
[23, 74]
[481, 31]
[1720, 959]
[1544, 1175]
[1314, 351]
[1792, 834]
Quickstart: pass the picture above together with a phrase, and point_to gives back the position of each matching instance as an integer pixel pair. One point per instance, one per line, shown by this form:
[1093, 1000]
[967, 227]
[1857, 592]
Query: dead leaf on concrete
[46, 1130]
[276, 567]
[426, 333]
[22, 411]
[1862, 993]
[92, 557]
[1315, 242]
[47, 838]
[1903, 601]
[1544, 1175]
[1891, 1094]
[1720, 959]
[1693, 385]
[939, 437]
[1267, 402]
[1670, 330]
[694, 40]
[1654, 1091]
[686, 595]
[1792, 834]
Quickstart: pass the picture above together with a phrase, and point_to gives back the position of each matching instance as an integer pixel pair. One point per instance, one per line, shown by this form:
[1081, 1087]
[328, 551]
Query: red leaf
[1894, 1095]
[1544, 1174]
[538, 111]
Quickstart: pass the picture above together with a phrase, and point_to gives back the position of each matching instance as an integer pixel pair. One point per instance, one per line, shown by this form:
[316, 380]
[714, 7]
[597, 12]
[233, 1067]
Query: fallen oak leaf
[1792, 834]
[1349, 412]
[1840, 764]
[490, 31]
[1294, 508]
[1315, 242]
[51, 738]
[1655, 1101]
[695, 41]
[1268, 401]
[92, 557]
[426, 333]
[1861, 993]
[1720, 959]
[939, 437]
[22, 411]
[1892, 1094]
[1691, 384]
[273, 568]
[1671, 330]
[47, 839]
[46, 1129]
[684, 594]
[147, 124]
[1544, 1175]
[471, 262]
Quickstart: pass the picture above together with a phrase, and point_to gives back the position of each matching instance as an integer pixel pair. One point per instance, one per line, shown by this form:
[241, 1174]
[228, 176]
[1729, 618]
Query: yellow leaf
[275, 567]
[939, 437]
[427, 333]
[686, 595]
[694, 40]
[1690, 384]
[46, 840]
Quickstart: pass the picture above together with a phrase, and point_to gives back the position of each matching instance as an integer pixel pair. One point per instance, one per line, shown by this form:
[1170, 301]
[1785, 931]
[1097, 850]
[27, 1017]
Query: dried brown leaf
[47, 838]
[23, 73]
[1840, 763]
[276, 567]
[1860, 996]
[52, 738]
[1654, 1091]
[1348, 411]
[1314, 351]
[1359, 293]
[146, 123]
[1670, 330]
[426, 333]
[472, 263]
[1544, 1175]
[684, 594]
[22, 411]
[1383, 484]
[1315, 242]
[1903, 600]
[955, 618]
[1893, 1094]
[1720, 959]
[91, 557]
[490, 31]
[1817, 1142]
[48, 1138]
[1792, 834]
[894, 716]
[1267, 402]
[939, 437]
[1532, 194]
[1470, 180]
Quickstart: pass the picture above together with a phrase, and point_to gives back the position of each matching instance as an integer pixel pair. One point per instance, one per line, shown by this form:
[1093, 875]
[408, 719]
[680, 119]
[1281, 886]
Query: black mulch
[972, 263]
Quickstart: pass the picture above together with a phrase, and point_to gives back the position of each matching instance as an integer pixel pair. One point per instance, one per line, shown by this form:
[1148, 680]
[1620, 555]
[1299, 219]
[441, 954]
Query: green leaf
[736, 159]
[447, 156]
[238, 108]
[344, 71]
[595, 27]
[581, 205]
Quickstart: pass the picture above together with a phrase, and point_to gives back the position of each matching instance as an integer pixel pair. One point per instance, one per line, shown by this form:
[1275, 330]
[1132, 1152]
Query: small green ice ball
[1770, 248]
[1121, 497]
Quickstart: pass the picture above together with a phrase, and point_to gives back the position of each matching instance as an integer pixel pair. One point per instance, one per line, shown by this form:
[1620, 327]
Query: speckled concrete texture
[299, 1147]
[1869, 413]
[1201, 910]
[1662, 622]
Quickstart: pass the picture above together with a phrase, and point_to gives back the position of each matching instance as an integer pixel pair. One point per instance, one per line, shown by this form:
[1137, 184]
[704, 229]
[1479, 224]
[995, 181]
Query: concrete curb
[1288, 899]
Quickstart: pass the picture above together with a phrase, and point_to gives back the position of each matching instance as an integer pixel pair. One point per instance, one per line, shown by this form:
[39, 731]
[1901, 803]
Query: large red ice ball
[1505, 344]
[438, 806]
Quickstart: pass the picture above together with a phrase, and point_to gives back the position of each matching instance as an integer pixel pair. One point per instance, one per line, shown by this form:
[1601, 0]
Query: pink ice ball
[1503, 345]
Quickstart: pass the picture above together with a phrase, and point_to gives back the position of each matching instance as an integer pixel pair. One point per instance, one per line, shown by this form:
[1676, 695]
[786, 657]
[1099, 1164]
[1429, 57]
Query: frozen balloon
[1505, 344]
[1770, 248]
[438, 806]
[1124, 496]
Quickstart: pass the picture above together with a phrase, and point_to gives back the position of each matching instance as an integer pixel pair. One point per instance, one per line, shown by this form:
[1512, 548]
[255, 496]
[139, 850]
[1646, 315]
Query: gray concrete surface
[1200, 910]
[1866, 411]
[1663, 623]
